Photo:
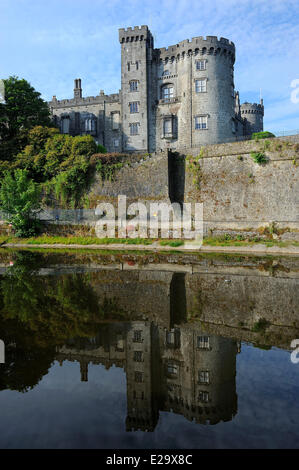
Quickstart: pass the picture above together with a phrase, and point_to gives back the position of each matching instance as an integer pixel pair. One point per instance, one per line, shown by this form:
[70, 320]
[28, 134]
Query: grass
[72, 240]
[172, 243]
[226, 240]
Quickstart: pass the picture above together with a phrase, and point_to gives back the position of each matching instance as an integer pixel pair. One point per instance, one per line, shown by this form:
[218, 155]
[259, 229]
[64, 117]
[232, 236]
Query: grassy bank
[73, 240]
[85, 240]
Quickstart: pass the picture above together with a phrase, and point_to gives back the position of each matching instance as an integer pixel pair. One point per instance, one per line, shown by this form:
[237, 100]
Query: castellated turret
[200, 76]
[252, 115]
[136, 53]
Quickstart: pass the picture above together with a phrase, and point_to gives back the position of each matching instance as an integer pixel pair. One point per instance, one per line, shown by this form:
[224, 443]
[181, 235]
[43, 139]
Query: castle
[180, 97]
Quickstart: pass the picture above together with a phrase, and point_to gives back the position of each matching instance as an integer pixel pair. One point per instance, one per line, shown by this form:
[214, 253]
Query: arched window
[90, 125]
[167, 92]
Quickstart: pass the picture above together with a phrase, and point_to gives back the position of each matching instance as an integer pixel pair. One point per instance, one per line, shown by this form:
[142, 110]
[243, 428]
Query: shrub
[262, 135]
[20, 200]
[101, 149]
[259, 158]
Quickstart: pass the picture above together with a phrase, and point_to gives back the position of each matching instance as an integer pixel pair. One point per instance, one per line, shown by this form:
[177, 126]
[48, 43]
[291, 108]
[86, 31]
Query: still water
[148, 351]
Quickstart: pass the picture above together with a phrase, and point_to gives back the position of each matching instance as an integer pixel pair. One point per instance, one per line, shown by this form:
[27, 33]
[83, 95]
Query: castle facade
[180, 97]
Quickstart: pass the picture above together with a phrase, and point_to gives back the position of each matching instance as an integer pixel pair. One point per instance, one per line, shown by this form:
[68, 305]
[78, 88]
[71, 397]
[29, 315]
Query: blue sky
[51, 43]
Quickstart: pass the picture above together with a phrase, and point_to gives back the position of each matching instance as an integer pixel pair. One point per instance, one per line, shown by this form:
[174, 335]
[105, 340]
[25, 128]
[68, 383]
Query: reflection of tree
[55, 308]
[39, 313]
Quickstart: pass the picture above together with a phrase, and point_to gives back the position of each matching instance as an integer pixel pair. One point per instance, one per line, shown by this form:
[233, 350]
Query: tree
[20, 199]
[23, 109]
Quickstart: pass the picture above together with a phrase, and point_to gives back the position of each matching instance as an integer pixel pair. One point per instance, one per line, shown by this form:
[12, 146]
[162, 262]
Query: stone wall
[237, 193]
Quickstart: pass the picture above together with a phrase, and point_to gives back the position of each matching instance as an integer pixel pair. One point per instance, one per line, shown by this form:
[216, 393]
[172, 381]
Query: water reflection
[153, 324]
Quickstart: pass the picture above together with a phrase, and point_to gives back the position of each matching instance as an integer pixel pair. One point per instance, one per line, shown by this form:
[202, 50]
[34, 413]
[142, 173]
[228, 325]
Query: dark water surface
[148, 351]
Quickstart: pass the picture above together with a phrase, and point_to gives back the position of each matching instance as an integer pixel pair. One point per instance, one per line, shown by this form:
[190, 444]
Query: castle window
[200, 64]
[134, 107]
[167, 127]
[203, 342]
[203, 377]
[90, 125]
[137, 338]
[138, 377]
[203, 397]
[233, 91]
[165, 73]
[134, 128]
[65, 125]
[173, 338]
[137, 65]
[134, 85]
[201, 122]
[116, 143]
[167, 92]
[138, 356]
[200, 86]
[172, 368]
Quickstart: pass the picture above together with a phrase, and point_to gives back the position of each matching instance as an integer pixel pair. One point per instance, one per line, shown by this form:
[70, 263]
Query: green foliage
[260, 326]
[70, 185]
[23, 109]
[20, 199]
[259, 158]
[101, 149]
[108, 171]
[193, 166]
[61, 162]
[262, 135]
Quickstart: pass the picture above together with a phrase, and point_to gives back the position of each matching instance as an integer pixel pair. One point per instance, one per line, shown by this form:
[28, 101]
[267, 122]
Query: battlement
[252, 108]
[138, 33]
[114, 97]
[198, 45]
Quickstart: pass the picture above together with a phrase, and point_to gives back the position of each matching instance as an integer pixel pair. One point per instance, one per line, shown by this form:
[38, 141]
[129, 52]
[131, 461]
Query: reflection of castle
[181, 370]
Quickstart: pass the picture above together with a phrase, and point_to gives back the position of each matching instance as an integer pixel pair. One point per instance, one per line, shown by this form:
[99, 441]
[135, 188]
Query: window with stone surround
[138, 377]
[203, 342]
[203, 397]
[138, 356]
[172, 368]
[201, 65]
[167, 92]
[201, 86]
[134, 85]
[134, 107]
[201, 122]
[137, 336]
[134, 128]
[203, 377]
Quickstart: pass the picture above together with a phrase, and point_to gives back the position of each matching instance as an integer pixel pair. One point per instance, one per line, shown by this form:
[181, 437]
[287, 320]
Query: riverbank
[260, 248]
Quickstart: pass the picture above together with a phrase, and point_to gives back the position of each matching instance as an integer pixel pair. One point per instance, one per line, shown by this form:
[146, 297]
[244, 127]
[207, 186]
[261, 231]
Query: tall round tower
[195, 92]
[252, 115]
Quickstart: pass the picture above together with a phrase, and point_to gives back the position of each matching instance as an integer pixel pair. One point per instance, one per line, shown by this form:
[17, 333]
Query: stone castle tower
[180, 97]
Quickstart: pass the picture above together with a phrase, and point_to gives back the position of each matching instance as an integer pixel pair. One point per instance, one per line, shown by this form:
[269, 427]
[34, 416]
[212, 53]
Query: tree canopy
[23, 109]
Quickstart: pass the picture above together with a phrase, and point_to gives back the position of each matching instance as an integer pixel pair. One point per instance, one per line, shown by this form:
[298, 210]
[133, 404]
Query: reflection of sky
[62, 412]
